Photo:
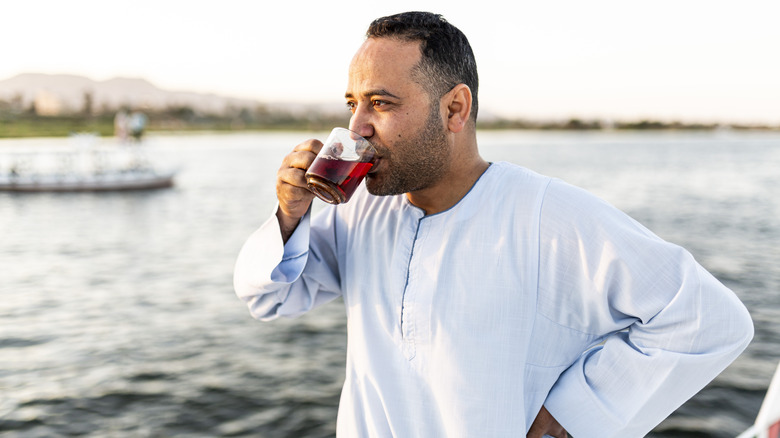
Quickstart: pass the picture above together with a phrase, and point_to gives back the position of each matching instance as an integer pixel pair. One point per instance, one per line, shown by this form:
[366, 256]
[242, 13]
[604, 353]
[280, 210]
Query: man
[483, 300]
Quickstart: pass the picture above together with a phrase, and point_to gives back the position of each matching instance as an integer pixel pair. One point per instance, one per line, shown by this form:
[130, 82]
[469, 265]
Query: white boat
[121, 179]
[767, 423]
[85, 167]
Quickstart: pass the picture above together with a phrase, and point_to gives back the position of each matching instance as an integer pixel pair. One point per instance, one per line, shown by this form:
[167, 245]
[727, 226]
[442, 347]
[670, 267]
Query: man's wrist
[287, 224]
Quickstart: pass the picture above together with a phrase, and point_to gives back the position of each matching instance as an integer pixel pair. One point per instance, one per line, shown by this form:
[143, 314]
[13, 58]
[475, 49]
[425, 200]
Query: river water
[118, 318]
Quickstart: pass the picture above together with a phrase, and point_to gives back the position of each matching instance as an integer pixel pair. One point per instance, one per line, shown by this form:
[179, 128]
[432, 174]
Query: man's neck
[451, 189]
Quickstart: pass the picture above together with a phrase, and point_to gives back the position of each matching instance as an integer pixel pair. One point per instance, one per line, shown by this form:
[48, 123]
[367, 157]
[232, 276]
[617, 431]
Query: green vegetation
[27, 123]
[568, 125]
[33, 126]
[583, 125]
[18, 122]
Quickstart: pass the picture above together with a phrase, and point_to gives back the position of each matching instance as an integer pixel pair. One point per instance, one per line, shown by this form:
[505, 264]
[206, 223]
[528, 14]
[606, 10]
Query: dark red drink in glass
[334, 181]
[343, 162]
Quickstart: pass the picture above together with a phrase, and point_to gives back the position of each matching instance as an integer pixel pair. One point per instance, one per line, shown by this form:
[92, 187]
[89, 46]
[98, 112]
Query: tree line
[19, 121]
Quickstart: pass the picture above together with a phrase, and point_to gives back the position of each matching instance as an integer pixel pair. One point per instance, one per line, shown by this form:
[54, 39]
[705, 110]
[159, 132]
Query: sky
[687, 60]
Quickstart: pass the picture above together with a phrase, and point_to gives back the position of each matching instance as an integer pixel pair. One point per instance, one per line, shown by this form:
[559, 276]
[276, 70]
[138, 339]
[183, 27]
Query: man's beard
[415, 163]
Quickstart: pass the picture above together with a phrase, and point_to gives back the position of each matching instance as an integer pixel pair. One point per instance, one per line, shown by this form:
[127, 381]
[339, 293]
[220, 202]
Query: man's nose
[361, 123]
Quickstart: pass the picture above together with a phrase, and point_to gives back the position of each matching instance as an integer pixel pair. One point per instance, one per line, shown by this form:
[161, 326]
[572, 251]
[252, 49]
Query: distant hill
[67, 93]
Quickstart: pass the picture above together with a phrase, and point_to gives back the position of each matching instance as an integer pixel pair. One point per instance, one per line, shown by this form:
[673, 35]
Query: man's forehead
[391, 44]
[386, 52]
[381, 62]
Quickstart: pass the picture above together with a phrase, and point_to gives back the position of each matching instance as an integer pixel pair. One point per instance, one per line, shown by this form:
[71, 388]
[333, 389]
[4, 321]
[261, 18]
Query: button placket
[409, 300]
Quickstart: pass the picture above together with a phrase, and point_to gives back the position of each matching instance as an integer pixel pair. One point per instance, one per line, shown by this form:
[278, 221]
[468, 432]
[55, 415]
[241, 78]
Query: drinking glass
[343, 162]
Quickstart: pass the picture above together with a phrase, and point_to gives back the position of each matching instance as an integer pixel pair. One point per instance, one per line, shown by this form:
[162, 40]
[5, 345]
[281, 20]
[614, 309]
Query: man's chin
[375, 186]
[372, 184]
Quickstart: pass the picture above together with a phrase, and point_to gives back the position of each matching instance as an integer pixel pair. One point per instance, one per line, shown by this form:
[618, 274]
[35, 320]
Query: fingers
[545, 424]
[291, 190]
[294, 165]
[302, 155]
[311, 145]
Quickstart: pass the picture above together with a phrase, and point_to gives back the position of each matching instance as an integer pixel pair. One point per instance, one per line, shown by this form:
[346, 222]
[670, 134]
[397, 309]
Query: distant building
[47, 104]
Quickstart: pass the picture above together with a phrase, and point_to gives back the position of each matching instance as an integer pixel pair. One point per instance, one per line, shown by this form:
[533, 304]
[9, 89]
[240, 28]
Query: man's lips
[375, 165]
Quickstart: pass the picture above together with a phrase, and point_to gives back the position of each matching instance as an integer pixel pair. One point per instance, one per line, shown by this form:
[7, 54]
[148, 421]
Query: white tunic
[527, 292]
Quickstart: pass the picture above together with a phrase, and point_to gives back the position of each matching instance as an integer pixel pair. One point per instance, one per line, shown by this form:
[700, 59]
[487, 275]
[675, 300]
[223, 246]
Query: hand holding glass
[343, 162]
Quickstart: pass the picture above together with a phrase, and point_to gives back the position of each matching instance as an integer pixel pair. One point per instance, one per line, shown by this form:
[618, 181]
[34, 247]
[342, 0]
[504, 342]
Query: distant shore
[31, 125]
[46, 105]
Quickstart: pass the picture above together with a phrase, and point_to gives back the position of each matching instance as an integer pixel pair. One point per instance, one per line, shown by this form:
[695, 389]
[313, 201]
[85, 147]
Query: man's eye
[378, 103]
[351, 106]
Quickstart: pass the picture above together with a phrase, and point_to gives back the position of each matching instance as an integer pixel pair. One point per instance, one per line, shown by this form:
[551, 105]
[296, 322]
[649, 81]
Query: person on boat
[137, 125]
[121, 121]
[482, 299]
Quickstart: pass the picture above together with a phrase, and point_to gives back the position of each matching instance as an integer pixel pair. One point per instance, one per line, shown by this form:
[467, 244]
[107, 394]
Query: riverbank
[63, 126]
[23, 126]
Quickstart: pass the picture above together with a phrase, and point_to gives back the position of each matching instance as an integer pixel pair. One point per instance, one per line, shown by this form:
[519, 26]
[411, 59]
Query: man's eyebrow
[369, 93]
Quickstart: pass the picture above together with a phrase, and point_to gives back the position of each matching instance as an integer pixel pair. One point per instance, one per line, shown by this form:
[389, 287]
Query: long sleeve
[466, 322]
[668, 326]
[276, 279]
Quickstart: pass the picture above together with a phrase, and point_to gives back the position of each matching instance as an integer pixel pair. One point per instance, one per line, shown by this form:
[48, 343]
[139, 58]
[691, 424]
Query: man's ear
[458, 104]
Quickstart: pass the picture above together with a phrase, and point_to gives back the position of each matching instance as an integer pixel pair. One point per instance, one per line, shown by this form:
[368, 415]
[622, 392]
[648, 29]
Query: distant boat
[132, 179]
[85, 168]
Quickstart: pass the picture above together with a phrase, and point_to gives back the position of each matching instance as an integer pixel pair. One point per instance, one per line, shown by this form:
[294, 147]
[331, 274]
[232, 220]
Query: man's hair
[447, 59]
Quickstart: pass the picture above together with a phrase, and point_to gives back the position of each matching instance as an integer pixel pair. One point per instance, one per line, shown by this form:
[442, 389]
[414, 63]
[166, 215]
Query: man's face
[395, 114]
